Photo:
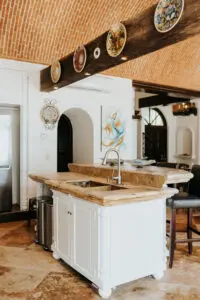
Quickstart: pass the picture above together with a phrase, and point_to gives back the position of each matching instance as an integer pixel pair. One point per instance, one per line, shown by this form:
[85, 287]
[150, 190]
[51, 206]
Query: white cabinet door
[85, 232]
[63, 228]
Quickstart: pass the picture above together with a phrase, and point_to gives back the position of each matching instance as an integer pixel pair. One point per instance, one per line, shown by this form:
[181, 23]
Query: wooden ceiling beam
[152, 88]
[159, 100]
[142, 39]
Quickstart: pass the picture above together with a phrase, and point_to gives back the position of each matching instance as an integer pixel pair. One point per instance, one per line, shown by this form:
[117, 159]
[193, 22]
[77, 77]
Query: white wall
[20, 85]
[112, 92]
[191, 123]
[83, 135]
[12, 89]
[14, 93]
[174, 123]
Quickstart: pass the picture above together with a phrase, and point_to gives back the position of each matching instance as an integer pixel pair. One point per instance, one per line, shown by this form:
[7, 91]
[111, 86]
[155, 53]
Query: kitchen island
[111, 234]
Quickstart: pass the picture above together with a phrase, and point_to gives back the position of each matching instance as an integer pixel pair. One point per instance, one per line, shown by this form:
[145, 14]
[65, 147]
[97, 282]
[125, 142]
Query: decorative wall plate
[79, 59]
[168, 14]
[49, 114]
[116, 39]
[97, 52]
[55, 71]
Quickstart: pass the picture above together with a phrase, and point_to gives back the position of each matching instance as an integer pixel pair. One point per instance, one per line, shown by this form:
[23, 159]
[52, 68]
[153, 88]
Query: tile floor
[27, 272]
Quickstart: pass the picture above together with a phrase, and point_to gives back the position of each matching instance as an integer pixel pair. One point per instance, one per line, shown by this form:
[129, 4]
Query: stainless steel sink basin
[111, 187]
[100, 185]
[87, 183]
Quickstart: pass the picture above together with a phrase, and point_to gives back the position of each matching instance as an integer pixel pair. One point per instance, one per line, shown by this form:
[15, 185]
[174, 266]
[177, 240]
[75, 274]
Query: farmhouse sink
[95, 184]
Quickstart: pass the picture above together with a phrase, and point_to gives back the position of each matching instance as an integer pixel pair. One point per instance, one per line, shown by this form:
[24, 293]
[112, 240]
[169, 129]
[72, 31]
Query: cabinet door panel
[83, 238]
[63, 230]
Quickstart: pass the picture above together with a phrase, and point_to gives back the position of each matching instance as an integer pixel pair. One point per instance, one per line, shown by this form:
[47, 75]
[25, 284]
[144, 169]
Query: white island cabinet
[110, 245]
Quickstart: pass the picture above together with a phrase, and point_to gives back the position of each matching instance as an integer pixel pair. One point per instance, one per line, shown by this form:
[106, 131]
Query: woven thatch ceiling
[41, 31]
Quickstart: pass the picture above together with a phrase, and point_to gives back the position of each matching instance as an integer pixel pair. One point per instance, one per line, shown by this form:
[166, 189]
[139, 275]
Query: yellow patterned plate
[116, 39]
[168, 14]
[55, 71]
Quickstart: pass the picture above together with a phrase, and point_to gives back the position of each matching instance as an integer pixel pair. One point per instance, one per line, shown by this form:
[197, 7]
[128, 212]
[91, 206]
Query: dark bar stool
[190, 202]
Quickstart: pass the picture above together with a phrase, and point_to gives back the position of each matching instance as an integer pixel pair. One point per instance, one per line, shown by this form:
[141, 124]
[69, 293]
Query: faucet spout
[118, 177]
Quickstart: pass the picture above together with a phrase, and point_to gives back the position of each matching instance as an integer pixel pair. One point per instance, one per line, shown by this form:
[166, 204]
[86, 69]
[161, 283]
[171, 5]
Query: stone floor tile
[27, 272]
[18, 282]
[2, 233]
[11, 225]
[64, 286]
[35, 247]
[21, 236]
[8, 254]
[13, 296]
[29, 259]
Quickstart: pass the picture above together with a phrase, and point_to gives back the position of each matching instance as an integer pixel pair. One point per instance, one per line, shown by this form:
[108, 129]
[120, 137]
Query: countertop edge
[95, 198]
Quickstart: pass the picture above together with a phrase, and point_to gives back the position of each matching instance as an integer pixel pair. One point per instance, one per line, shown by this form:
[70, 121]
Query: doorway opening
[64, 144]
[154, 135]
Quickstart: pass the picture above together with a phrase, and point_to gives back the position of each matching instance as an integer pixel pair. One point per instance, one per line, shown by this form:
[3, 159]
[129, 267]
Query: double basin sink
[95, 184]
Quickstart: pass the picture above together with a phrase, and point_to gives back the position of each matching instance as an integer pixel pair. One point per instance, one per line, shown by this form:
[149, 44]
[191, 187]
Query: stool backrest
[183, 167]
[194, 185]
[172, 165]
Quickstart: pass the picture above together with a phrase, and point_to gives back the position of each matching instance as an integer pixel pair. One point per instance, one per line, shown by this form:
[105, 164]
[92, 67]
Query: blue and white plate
[168, 14]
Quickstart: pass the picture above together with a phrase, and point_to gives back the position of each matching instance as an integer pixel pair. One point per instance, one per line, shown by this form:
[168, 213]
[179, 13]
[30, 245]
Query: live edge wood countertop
[130, 192]
[151, 176]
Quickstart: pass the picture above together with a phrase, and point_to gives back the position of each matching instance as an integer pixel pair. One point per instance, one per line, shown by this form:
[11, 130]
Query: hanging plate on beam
[168, 14]
[55, 71]
[116, 39]
[79, 59]
[97, 52]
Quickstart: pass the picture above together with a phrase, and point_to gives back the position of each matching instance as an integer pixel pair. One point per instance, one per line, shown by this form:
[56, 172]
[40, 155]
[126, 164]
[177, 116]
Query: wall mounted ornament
[55, 71]
[116, 39]
[79, 59]
[49, 113]
[168, 14]
[97, 52]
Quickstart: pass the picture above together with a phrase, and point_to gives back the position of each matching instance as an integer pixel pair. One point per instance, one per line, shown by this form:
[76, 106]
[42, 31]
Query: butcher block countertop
[151, 176]
[100, 194]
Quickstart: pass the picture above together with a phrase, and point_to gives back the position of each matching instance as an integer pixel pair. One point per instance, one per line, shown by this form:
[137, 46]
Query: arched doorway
[83, 135]
[155, 135]
[64, 144]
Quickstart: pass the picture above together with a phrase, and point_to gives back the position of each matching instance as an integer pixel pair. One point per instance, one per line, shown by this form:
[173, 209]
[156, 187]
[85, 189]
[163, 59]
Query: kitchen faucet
[118, 178]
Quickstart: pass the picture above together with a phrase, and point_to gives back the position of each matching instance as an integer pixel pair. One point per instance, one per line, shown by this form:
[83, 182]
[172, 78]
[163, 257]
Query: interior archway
[83, 136]
[64, 144]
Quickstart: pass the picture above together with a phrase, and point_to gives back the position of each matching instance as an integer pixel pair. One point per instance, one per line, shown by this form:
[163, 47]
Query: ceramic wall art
[49, 113]
[113, 129]
[116, 39]
[168, 14]
[79, 59]
[55, 71]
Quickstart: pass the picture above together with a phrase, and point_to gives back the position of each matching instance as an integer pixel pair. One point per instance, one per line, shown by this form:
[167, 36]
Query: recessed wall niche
[185, 147]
